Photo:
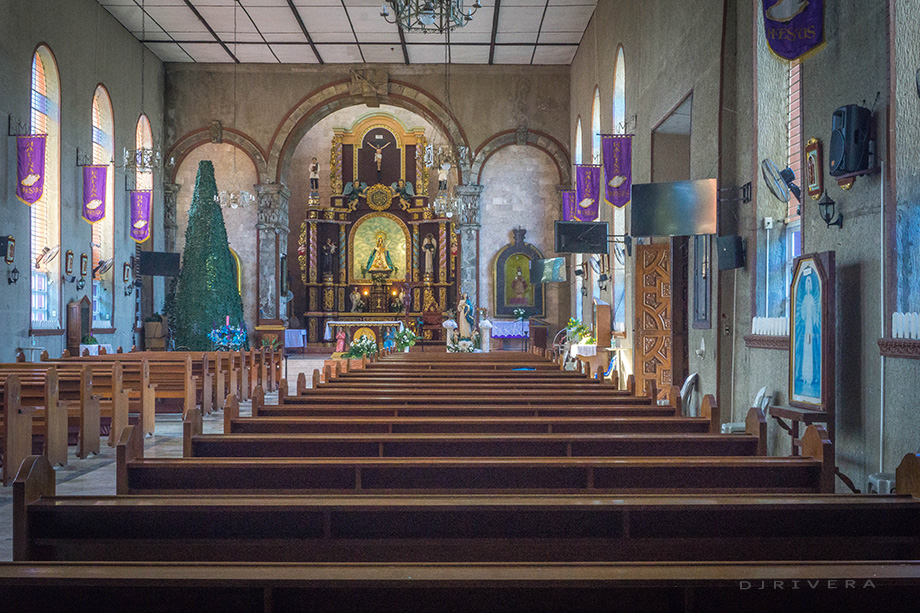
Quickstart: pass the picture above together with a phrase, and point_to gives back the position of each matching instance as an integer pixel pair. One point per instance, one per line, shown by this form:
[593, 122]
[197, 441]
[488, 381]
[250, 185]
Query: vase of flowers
[404, 339]
[228, 338]
[361, 347]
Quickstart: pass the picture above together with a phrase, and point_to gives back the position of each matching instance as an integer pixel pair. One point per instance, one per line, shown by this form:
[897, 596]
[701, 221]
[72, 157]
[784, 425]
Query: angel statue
[353, 191]
[404, 190]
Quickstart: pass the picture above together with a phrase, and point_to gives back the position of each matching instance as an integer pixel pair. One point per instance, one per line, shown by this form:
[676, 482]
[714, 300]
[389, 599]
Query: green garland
[206, 293]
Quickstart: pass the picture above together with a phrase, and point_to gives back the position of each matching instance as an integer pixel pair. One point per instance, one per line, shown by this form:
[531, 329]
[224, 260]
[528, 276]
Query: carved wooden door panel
[653, 315]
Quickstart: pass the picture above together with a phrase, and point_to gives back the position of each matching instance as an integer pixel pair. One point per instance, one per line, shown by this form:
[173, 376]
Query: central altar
[375, 253]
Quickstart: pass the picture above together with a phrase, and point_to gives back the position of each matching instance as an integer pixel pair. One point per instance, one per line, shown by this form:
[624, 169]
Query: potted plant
[89, 339]
[405, 339]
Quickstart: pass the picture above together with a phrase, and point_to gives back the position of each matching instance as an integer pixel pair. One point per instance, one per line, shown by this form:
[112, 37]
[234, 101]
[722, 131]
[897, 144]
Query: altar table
[370, 323]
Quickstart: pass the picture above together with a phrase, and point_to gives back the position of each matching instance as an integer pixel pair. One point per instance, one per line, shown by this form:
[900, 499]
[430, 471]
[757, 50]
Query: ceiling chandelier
[428, 15]
[143, 159]
[234, 199]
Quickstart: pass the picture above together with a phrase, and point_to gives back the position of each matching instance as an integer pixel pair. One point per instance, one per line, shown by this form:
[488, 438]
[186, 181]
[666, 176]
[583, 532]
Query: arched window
[143, 139]
[578, 141]
[619, 93]
[104, 230]
[45, 214]
[596, 127]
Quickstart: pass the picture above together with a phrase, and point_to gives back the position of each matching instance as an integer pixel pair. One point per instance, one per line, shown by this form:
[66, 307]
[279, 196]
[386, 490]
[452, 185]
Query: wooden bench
[436, 528]
[32, 416]
[811, 473]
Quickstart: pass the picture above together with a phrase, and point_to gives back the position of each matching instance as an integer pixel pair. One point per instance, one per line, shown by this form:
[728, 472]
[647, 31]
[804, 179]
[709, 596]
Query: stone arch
[336, 96]
[531, 138]
[202, 136]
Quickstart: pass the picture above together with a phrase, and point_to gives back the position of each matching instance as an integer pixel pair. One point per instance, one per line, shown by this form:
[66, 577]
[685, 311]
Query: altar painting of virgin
[811, 323]
[378, 245]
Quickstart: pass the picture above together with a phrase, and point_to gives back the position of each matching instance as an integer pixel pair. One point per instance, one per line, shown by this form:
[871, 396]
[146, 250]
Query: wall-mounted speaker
[731, 252]
[850, 133]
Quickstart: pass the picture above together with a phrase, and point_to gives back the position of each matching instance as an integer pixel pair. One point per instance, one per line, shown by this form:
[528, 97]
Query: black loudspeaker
[731, 252]
[159, 264]
[849, 151]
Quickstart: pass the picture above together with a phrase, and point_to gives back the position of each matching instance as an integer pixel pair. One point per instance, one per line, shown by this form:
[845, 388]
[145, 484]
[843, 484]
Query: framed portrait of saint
[812, 332]
[511, 278]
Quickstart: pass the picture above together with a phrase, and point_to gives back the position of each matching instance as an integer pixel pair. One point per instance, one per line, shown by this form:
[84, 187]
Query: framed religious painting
[812, 332]
[68, 263]
[814, 169]
[511, 278]
[84, 264]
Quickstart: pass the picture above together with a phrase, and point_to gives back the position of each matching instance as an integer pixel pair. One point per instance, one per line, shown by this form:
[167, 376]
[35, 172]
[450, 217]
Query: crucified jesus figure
[378, 156]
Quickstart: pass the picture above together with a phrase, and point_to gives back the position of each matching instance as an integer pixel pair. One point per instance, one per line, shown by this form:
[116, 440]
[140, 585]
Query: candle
[228, 320]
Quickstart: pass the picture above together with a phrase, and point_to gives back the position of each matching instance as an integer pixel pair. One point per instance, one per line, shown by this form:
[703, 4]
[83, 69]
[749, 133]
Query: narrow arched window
[45, 214]
[596, 127]
[578, 141]
[104, 230]
[619, 93]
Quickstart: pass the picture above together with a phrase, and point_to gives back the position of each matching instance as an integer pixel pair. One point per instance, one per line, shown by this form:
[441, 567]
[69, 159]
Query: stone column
[468, 224]
[272, 235]
[170, 211]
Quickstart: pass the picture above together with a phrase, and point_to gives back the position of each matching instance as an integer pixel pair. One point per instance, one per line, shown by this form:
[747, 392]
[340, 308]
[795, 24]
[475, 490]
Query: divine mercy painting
[806, 334]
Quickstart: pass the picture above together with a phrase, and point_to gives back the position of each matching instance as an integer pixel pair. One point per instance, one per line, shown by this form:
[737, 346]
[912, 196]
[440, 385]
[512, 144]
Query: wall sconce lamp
[81, 283]
[828, 209]
[12, 276]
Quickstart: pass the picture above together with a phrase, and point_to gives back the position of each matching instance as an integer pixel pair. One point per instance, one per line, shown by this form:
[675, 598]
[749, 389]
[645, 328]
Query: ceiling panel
[274, 19]
[177, 20]
[202, 52]
[339, 53]
[470, 54]
[567, 18]
[268, 25]
[554, 55]
[169, 52]
[513, 55]
[254, 53]
[295, 54]
[389, 54]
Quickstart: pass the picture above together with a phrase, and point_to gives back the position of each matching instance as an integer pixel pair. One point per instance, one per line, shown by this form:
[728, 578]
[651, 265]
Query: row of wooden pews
[391, 487]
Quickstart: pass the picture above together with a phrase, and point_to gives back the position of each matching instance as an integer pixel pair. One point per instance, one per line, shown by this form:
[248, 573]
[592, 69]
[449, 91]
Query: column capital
[273, 201]
[471, 210]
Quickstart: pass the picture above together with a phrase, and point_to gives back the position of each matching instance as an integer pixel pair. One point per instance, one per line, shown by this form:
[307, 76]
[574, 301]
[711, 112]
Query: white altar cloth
[295, 338]
[510, 329]
[94, 349]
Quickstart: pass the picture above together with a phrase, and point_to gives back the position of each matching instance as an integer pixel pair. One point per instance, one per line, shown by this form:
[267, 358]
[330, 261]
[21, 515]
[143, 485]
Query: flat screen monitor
[159, 264]
[681, 208]
[547, 271]
[581, 236]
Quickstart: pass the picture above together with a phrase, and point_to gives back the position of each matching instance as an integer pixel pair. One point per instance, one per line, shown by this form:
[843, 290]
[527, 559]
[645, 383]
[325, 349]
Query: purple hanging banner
[141, 208]
[794, 28]
[587, 192]
[94, 193]
[568, 205]
[30, 167]
[617, 150]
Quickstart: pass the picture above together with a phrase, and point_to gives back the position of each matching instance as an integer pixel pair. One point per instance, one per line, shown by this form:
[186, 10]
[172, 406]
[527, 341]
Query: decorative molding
[762, 341]
[899, 348]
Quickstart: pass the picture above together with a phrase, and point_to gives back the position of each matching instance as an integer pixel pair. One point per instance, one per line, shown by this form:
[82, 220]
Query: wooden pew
[469, 528]
[810, 473]
[39, 391]
[75, 391]
[16, 428]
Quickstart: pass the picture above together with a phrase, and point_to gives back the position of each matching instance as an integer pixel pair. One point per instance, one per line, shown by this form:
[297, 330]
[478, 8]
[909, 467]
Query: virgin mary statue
[379, 260]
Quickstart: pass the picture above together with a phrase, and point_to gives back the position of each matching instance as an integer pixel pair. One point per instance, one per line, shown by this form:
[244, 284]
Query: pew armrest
[36, 479]
[130, 447]
[816, 444]
[756, 425]
[192, 426]
[907, 476]
[710, 410]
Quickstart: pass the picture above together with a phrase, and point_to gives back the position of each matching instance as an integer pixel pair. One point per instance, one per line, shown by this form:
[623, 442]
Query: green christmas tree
[206, 294]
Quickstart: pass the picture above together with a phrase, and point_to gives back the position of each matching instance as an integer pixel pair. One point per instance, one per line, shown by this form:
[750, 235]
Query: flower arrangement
[89, 339]
[361, 347]
[520, 314]
[577, 330]
[228, 338]
[462, 346]
[405, 338]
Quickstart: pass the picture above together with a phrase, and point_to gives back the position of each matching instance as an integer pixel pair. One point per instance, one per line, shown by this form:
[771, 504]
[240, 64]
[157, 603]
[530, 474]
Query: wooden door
[653, 315]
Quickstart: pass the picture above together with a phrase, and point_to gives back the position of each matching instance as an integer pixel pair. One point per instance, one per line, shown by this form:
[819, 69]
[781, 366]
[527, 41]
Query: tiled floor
[96, 475]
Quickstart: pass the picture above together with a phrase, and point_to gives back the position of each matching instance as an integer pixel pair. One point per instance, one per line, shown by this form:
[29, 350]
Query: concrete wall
[90, 47]
[674, 47]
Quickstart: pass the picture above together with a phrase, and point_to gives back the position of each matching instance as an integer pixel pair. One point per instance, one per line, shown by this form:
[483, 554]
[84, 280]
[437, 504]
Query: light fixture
[431, 16]
[234, 200]
[144, 159]
[828, 209]
[12, 276]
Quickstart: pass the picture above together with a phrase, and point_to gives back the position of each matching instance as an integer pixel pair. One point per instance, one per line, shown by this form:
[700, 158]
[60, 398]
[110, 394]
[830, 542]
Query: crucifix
[378, 157]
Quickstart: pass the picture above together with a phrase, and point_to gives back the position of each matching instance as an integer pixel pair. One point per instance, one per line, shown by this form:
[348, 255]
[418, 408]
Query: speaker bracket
[741, 194]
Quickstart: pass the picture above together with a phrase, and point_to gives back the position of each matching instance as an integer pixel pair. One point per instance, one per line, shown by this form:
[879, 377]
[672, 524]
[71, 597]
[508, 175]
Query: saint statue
[519, 289]
[442, 176]
[329, 260]
[379, 260]
[340, 341]
[389, 338]
[465, 318]
[357, 302]
[314, 175]
[429, 246]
